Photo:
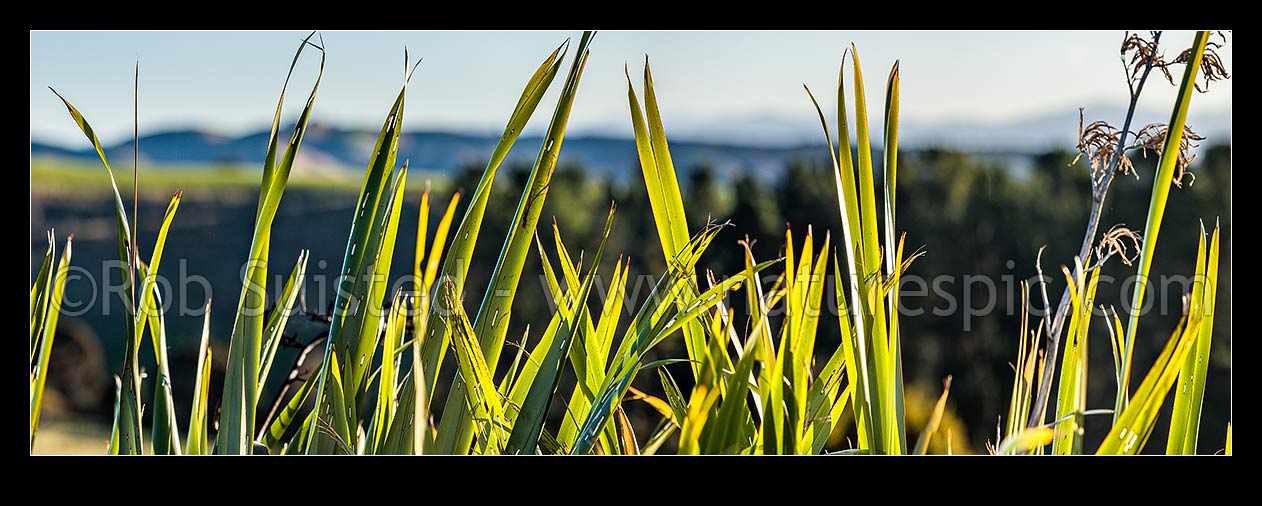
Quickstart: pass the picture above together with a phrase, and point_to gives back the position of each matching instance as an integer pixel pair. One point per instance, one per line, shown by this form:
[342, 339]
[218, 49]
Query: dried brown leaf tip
[1113, 243]
[1099, 141]
[1153, 137]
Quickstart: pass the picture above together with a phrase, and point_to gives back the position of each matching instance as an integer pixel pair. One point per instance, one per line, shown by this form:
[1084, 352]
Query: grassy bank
[59, 176]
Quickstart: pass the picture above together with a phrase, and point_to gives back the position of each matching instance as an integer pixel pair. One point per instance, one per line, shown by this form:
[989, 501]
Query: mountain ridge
[764, 147]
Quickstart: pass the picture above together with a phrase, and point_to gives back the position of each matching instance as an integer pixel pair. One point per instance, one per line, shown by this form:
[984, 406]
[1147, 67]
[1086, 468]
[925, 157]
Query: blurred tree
[705, 202]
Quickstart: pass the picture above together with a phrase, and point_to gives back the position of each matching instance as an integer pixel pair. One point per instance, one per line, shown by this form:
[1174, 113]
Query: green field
[58, 175]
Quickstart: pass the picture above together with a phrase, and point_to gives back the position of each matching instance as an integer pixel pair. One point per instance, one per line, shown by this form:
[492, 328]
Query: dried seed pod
[1098, 141]
[1153, 137]
[1112, 243]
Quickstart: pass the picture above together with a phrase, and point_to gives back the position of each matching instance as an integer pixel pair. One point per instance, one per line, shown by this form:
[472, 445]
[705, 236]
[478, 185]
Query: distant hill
[426, 150]
[761, 145]
[1051, 129]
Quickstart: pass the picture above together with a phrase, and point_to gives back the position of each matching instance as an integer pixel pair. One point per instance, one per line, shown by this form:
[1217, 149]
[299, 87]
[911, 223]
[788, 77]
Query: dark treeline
[974, 217]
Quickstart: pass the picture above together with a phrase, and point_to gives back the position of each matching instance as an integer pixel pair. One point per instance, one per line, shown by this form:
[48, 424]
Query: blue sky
[228, 81]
